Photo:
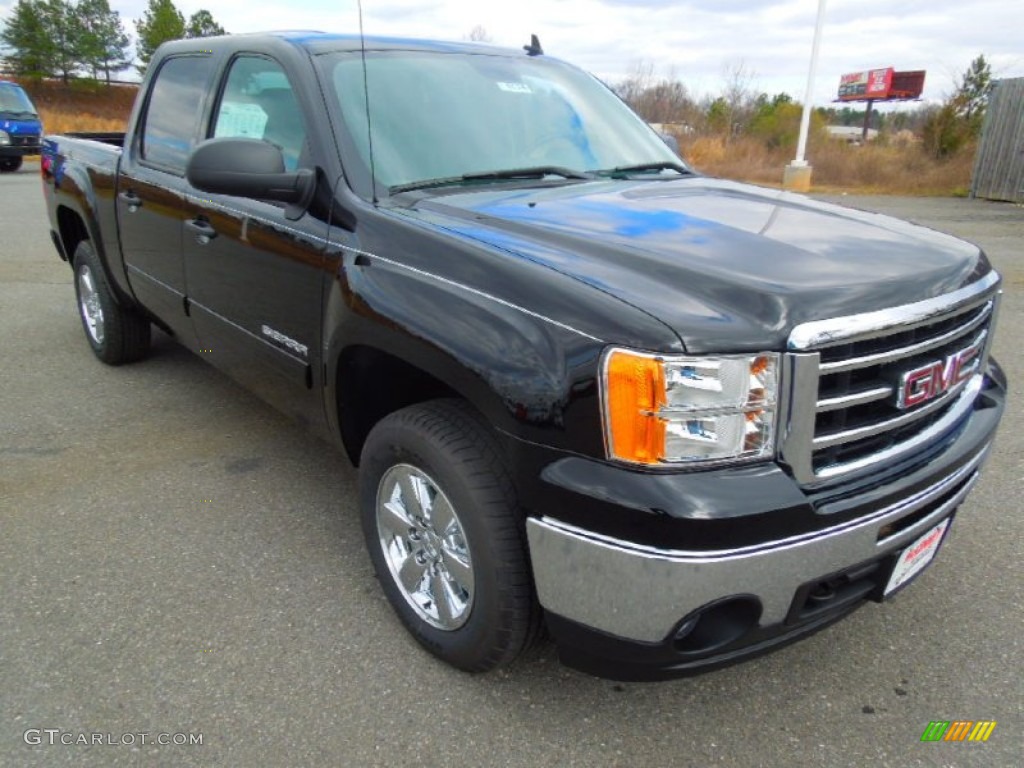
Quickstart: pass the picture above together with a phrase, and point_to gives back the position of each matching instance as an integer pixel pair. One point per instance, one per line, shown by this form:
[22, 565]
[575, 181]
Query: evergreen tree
[26, 36]
[972, 92]
[65, 32]
[958, 122]
[201, 24]
[162, 22]
[103, 46]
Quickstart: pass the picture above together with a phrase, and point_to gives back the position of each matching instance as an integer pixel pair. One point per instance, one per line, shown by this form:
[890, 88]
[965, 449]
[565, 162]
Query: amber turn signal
[634, 394]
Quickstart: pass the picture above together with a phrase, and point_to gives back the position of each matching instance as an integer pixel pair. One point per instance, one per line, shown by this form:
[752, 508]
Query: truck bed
[80, 178]
[112, 138]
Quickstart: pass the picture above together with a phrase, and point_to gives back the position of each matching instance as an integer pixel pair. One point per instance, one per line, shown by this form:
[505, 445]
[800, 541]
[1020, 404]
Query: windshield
[13, 99]
[445, 115]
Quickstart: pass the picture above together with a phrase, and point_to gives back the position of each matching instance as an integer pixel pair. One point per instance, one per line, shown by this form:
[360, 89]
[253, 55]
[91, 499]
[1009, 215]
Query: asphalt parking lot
[177, 558]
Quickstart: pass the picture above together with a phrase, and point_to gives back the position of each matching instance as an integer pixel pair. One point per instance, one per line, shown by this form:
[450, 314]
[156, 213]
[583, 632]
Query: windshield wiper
[536, 172]
[665, 165]
[425, 184]
[19, 114]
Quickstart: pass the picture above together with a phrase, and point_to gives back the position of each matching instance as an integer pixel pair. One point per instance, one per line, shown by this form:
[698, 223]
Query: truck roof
[328, 42]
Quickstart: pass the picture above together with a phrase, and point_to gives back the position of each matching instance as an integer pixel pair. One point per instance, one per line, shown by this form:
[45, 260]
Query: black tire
[122, 335]
[448, 443]
[10, 164]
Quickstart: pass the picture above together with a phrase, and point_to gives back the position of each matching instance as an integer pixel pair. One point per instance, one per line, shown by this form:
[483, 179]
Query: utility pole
[797, 175]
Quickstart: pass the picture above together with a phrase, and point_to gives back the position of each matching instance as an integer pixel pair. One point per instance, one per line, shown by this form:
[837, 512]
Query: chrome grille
[845, 378]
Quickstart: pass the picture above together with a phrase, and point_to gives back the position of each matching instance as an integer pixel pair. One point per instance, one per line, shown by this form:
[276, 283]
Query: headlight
[5, 138]
[680, 409]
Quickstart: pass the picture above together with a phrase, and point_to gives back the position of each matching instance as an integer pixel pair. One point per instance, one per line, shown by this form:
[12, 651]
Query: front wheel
[445, 535]
[10, 164]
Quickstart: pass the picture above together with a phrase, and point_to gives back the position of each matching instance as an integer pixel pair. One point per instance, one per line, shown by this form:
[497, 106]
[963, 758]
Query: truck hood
[20, 126]
[727, 266]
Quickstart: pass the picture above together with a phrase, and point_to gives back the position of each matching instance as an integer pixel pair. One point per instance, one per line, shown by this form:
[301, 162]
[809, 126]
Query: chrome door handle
[202, 229]
[129, 198]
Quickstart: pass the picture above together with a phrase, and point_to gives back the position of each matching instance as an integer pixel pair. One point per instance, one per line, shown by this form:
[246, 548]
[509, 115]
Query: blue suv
[20, 128]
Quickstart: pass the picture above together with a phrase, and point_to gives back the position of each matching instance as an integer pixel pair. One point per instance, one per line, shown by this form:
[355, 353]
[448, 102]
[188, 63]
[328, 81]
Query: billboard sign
[870, 84]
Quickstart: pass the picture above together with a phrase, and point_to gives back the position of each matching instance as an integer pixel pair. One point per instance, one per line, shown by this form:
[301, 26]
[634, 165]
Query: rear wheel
[445, 535]
[117, 334]
[10, 163]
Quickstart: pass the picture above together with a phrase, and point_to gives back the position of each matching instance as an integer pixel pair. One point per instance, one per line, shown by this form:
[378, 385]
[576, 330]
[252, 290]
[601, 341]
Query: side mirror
[248, 168]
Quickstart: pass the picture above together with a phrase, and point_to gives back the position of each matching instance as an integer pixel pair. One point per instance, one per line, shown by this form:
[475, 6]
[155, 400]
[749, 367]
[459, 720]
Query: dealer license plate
[916, 557]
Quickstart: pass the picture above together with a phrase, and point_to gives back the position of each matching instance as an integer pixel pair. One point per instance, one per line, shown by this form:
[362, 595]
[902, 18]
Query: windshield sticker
[515, 87]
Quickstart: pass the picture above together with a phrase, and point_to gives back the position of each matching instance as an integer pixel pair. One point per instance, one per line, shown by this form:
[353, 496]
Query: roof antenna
[366, 93]
[534, 49]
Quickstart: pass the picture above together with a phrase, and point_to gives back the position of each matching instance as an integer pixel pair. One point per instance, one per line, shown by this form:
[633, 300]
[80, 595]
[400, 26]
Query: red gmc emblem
[929, 381]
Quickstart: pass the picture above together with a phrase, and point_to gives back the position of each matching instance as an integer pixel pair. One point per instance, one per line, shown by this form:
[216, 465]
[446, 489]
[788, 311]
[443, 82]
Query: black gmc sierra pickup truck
[676, 420]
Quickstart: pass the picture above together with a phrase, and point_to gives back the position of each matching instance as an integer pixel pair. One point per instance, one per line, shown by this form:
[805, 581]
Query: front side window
[258, 102]
[175, 106]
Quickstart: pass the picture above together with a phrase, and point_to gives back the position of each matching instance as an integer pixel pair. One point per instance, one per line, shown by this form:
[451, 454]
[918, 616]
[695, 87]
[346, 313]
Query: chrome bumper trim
[640, 592]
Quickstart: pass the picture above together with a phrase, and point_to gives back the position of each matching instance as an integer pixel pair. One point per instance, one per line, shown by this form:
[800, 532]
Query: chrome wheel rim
[89, 305]
[425, 547]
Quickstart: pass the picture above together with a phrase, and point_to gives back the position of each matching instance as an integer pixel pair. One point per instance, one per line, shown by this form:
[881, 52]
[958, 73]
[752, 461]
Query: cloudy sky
[699, 40]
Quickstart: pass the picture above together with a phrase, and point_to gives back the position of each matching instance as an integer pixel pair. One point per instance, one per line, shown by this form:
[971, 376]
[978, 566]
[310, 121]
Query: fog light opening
[717, 624]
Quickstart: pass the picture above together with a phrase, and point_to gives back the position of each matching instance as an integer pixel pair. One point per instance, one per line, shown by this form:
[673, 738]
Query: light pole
[797, 175]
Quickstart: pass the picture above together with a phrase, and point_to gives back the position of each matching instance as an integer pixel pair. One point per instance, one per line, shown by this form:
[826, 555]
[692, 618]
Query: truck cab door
[151, 189]
[254, 276]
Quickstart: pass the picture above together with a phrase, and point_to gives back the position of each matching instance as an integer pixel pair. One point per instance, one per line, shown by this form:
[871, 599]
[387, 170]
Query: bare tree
[738, 102]
[637, 81]
[478, 34]
[662, 100]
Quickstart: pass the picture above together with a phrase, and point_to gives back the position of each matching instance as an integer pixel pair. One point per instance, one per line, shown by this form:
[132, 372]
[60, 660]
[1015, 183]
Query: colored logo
[929, 381]
[958, 730]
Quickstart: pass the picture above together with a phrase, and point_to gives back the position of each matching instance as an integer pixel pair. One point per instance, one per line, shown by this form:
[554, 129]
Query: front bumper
[26, 145]
[633, 611]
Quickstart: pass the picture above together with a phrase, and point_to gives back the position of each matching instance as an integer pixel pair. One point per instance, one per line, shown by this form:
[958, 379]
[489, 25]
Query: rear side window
[175, 106]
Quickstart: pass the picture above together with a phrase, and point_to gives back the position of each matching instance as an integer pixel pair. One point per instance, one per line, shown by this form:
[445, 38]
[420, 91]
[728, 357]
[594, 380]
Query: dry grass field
[82, 105]
[902, 168]
[896, 168]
